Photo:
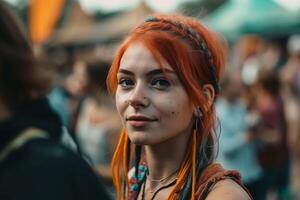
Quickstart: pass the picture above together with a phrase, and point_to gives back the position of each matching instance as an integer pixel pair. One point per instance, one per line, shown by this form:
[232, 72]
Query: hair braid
[195, 40]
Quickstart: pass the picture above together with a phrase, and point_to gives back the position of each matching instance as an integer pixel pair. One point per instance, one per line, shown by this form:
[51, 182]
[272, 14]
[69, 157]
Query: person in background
[290, 78]
[98, 123]
[34, 165]
[165, 80]
[66, 99]
[237, 144]
[274, 153]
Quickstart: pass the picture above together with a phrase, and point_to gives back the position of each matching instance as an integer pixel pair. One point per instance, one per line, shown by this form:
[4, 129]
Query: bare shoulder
[228, 190]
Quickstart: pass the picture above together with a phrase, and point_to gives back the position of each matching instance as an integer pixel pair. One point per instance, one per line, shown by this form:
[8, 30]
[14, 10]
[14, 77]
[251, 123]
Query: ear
[209, 93]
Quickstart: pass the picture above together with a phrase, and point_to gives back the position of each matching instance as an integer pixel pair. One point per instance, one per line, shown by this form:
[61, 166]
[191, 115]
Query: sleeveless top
[212, 175]
[209, 177]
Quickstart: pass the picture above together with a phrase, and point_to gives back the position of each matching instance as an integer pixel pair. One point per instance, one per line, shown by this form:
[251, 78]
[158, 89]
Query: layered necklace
[161, 184]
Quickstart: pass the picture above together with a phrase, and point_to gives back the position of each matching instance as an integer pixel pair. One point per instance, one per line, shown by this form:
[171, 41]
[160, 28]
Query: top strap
[21, 139]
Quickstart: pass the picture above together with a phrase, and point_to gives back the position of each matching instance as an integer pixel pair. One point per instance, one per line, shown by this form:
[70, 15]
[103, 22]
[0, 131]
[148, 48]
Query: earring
[198, 112]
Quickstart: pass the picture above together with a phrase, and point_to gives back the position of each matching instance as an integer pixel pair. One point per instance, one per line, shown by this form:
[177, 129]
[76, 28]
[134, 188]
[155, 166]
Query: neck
[166, 158]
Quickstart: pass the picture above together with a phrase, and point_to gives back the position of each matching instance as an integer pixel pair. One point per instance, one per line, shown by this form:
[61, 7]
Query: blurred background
[75, 41]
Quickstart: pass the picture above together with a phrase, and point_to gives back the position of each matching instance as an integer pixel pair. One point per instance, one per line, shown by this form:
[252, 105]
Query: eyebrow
[150, 73]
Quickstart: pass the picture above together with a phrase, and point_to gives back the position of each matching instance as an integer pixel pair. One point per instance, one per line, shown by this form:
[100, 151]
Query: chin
[138, 142]
[139, 139]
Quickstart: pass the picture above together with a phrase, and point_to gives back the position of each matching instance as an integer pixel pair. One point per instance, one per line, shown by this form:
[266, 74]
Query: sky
[157, 5]
[114, 5]
[292, 5]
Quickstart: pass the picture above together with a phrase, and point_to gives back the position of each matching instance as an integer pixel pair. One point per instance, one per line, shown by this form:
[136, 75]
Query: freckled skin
[170, 107]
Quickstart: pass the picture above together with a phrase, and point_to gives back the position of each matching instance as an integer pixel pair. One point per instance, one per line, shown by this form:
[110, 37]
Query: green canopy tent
[263, 17]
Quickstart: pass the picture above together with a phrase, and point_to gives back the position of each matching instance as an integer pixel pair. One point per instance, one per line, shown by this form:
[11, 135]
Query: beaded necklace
[138, 183]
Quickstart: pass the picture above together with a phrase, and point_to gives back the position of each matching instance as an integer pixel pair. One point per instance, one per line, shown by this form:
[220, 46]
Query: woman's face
[153, 108]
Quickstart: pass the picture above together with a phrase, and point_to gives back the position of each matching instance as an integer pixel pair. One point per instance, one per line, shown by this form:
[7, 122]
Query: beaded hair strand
[203, 158]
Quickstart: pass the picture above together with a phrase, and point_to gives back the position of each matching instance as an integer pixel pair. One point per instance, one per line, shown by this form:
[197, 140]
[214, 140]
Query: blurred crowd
[258, 113]
[80, 97]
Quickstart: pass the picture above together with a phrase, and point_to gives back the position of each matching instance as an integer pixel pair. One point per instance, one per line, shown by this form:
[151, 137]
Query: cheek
[179, 110]
[120, 100]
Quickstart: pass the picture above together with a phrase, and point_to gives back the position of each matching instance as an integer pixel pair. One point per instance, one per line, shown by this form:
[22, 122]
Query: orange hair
[171, 43]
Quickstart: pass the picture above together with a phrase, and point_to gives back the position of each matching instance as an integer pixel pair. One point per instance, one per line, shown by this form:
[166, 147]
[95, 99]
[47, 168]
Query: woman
[33, 163]
[165, 81]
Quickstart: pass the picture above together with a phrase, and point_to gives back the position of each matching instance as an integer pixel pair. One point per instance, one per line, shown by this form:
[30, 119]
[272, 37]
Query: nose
[138, 97]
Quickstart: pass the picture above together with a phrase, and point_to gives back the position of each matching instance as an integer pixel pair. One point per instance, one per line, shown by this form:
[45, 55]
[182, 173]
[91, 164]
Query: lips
[139, 120]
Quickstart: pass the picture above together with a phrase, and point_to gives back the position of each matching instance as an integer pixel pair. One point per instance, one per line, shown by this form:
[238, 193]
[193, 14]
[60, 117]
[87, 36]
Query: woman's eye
[161, 83]
[126, 83]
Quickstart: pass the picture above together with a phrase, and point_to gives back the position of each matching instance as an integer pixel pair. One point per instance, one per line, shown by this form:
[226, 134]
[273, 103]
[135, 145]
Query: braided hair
[197, 56]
